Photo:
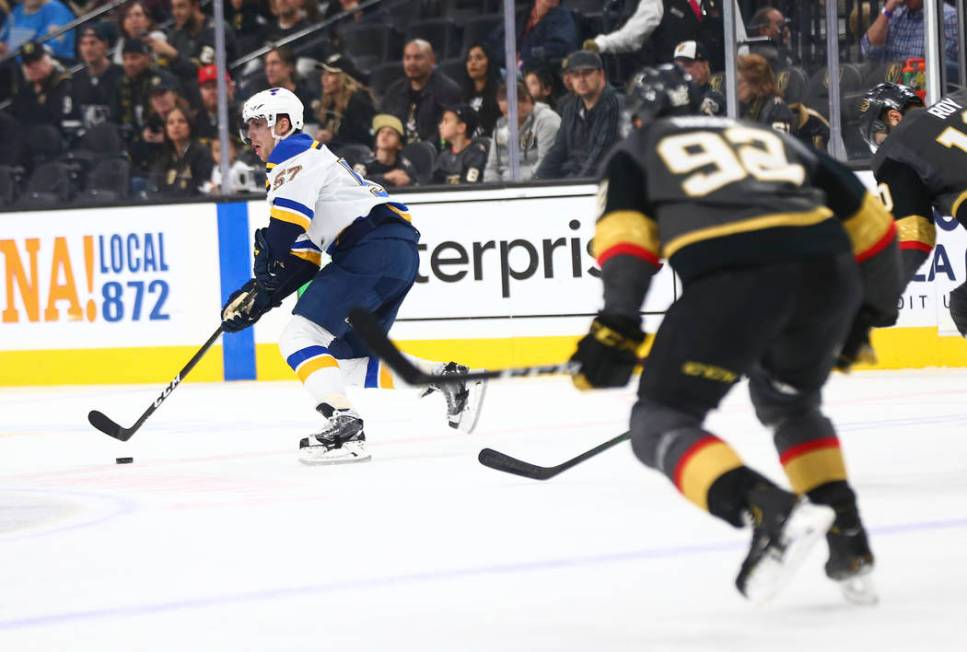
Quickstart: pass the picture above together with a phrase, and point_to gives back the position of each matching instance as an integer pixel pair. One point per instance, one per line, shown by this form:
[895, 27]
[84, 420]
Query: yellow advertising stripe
[759, 223]
[147, 364]
[868, 225]
[703, 468]
[632, 227]
[313, 365]
[814, 468]
[916, 228]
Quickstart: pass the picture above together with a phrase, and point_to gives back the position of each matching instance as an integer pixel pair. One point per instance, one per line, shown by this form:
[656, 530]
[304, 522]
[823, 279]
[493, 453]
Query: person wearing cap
[32, 19]
[692, 57]
[689, 20]
[163, 98]
[388, 167]
[132, 104]
[46, 97]
[537, 128]
[463, 159]
[589, 125]
[345, 111]
[633, 34]
[206, 121]
[419, 98]
[95, 85]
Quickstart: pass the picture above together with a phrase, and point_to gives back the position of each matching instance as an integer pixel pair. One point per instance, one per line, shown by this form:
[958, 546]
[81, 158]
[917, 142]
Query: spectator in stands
[206, 122]
[245, 17]
[545, 35]
[897, 33]
[692, 57]
[135, 24]
[633, 34]
[132, 102]
[464, 159]
[542, 85]
[191, 43]
[389, 167]
[45, 98]
[769, 22]
[759, 98]
[185, 165]
[589, 125]
[478, 87]
[243, 177]
[95, 86]
[290, 17]
[688, 20]
[163, 99]
[32, 19]
[279, 66]
[537, 129]
[418, 100]
[345, 112]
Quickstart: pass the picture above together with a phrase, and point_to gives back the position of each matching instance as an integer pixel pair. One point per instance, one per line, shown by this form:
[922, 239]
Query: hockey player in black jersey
[779, 249]
[920, 163]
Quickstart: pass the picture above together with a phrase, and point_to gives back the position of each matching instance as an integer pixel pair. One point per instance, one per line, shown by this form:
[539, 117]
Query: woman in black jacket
[186, 164]
[478, 86]
[345, 111]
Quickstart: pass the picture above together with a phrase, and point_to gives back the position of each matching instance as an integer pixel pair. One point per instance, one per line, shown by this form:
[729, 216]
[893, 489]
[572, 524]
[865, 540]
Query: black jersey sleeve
[626, 243]
[872, 234]
[905, 193]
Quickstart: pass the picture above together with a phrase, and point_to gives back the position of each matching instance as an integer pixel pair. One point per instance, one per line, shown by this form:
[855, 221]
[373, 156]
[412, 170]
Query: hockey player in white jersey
[319, 204]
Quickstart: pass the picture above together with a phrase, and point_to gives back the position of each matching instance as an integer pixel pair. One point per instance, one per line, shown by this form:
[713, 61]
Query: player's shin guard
[303, 344]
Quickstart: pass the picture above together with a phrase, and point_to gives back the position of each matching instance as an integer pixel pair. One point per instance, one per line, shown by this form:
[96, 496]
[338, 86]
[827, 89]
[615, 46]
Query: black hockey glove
[607, 355]
[279, 277]
[245, 306]
[857, 348]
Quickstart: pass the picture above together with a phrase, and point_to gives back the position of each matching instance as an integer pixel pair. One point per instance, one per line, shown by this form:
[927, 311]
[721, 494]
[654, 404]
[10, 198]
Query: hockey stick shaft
[370, 331]
[503, 462]
[109, 427]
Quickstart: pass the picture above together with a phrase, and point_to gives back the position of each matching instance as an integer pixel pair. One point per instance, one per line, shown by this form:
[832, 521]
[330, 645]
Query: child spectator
[243, 177]
[464, 160]
[389, 167]
[537, 128]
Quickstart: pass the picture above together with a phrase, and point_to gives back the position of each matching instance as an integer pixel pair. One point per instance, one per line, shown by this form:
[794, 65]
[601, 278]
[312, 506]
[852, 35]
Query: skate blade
[320, 455]
[471, 413]
[806, 526]
[859, 589]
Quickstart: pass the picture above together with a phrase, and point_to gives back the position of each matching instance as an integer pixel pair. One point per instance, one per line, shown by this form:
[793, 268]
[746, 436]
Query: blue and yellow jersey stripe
[288, 210]
[305, 249]
[377, 375]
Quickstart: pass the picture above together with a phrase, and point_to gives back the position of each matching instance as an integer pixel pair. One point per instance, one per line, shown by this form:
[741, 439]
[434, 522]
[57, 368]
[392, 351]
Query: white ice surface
[216, 538]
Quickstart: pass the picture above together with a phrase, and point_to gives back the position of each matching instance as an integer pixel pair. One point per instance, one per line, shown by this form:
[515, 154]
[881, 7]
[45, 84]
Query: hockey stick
[369, 330]
[100, 421]
[502, 462]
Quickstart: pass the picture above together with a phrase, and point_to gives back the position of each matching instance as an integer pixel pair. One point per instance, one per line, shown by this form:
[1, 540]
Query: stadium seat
[383, 75]
[462, 10]
[442, 33]
[480, 29]
[453, 68]
[817, 90]
[109, 180]
[368, 44]
[46, 144]
[422, 155]
[48, 187]
[104, 139]
[10, 179]
[792, 84]
[355, 154]
[404, 12]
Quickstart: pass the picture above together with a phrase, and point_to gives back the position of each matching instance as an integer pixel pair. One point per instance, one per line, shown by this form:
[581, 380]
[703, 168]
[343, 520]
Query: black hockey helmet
[879, 99]
[665, 90]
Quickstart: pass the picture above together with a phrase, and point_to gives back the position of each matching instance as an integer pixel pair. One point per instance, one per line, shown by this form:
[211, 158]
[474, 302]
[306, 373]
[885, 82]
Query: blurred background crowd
[116, 101]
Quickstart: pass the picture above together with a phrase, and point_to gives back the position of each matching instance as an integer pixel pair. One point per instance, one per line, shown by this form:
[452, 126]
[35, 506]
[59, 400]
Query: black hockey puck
[123, 460]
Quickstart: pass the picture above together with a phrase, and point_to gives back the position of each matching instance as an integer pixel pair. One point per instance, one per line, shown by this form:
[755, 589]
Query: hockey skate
[341, 440]
[850, 564]
[784, 529]
[464, 400]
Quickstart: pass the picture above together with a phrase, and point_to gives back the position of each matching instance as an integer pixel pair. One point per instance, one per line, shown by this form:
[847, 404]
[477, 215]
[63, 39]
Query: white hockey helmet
[268, 105]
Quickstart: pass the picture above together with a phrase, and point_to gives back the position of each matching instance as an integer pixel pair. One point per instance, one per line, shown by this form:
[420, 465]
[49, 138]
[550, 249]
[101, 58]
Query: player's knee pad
[958, 308]
[301, 333]
[801, 428]
[652, 429]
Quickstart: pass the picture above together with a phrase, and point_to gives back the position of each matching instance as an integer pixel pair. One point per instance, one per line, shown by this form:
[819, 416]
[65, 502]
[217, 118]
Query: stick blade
[100, 421]
[502, 462]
